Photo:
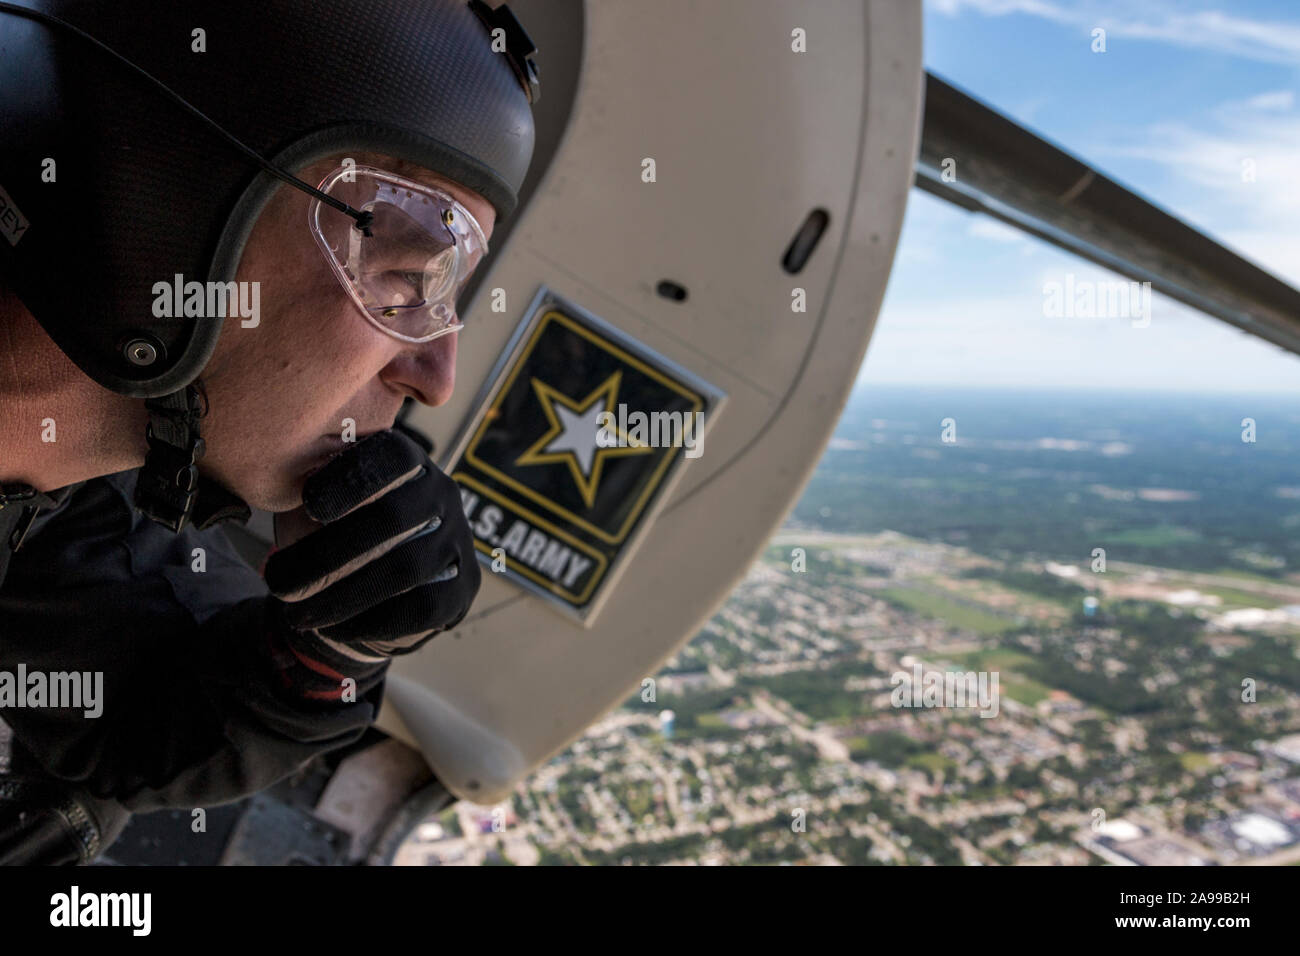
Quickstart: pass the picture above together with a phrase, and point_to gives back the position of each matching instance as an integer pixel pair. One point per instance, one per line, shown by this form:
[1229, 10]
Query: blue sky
[1184, 93]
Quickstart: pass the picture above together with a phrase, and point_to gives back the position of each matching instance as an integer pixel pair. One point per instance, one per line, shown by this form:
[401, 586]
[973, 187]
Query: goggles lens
[407, 275]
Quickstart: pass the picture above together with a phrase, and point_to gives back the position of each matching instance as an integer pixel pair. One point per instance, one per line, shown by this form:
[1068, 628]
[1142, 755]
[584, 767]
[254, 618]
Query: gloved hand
[390, 562]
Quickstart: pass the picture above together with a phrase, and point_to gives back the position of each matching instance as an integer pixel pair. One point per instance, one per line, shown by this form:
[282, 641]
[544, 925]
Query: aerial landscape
[1123, 567]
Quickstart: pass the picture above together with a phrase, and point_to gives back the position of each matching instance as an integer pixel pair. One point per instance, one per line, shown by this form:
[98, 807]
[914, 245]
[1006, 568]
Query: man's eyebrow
[463, 200]
[421, 175]
[409, 170]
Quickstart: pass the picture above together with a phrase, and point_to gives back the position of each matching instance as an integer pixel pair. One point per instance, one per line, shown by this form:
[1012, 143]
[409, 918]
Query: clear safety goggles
[405, 276]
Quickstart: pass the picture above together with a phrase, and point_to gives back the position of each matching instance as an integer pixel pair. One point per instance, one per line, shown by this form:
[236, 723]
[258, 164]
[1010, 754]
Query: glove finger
[403, 622]
[416, 561]
[366, 470]
[335, 550]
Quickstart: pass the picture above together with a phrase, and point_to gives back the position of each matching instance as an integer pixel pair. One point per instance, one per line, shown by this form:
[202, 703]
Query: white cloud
[1005, 340]
[971, 316]
[1239, 178]
[1273, 100]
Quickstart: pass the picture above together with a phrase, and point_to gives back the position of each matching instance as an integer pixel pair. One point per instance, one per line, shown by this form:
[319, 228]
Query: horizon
[862, 387]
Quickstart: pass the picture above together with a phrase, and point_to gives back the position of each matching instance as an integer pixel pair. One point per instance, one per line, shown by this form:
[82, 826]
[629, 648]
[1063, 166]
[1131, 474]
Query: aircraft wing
[1006, 171]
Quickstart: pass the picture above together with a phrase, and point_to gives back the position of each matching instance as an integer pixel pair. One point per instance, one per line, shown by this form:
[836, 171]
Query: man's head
[279, 393]
[150, 195]
[144, 190]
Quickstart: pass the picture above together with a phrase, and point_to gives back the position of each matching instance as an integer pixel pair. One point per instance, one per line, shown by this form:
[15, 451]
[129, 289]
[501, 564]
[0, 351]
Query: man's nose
[426, 371]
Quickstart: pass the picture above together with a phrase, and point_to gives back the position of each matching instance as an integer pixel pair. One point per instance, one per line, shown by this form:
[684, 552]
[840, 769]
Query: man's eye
[403, 279]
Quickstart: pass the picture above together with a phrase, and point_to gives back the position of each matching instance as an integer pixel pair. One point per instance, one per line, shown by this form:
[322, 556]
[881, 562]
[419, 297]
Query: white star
[579, 435]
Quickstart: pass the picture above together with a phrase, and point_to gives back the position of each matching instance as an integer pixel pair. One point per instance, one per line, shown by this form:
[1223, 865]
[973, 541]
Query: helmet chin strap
[169, 489]
[169, 480]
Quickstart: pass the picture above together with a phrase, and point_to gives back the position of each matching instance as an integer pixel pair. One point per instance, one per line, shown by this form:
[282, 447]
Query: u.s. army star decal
[572, 437]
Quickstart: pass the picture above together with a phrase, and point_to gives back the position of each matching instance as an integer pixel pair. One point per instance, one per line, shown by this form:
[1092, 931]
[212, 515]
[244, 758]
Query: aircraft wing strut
[1010, 173]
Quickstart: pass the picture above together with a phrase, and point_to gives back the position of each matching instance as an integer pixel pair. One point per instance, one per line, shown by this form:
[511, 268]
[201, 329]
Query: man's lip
[360, 436]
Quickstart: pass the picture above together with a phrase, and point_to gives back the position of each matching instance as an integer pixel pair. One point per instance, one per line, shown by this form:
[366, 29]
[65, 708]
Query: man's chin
[281, 493]
[287, 501]
[281, 488]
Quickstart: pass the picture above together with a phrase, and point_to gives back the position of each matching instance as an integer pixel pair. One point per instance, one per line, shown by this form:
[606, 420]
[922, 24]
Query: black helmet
[144, 190]
[146, 187]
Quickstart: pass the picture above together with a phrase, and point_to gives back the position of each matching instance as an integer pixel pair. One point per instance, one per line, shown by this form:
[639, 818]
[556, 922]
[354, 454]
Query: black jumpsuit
[203, 701]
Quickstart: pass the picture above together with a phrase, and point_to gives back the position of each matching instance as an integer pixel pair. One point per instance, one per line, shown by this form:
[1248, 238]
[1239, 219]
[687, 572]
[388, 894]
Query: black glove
[393, 563]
